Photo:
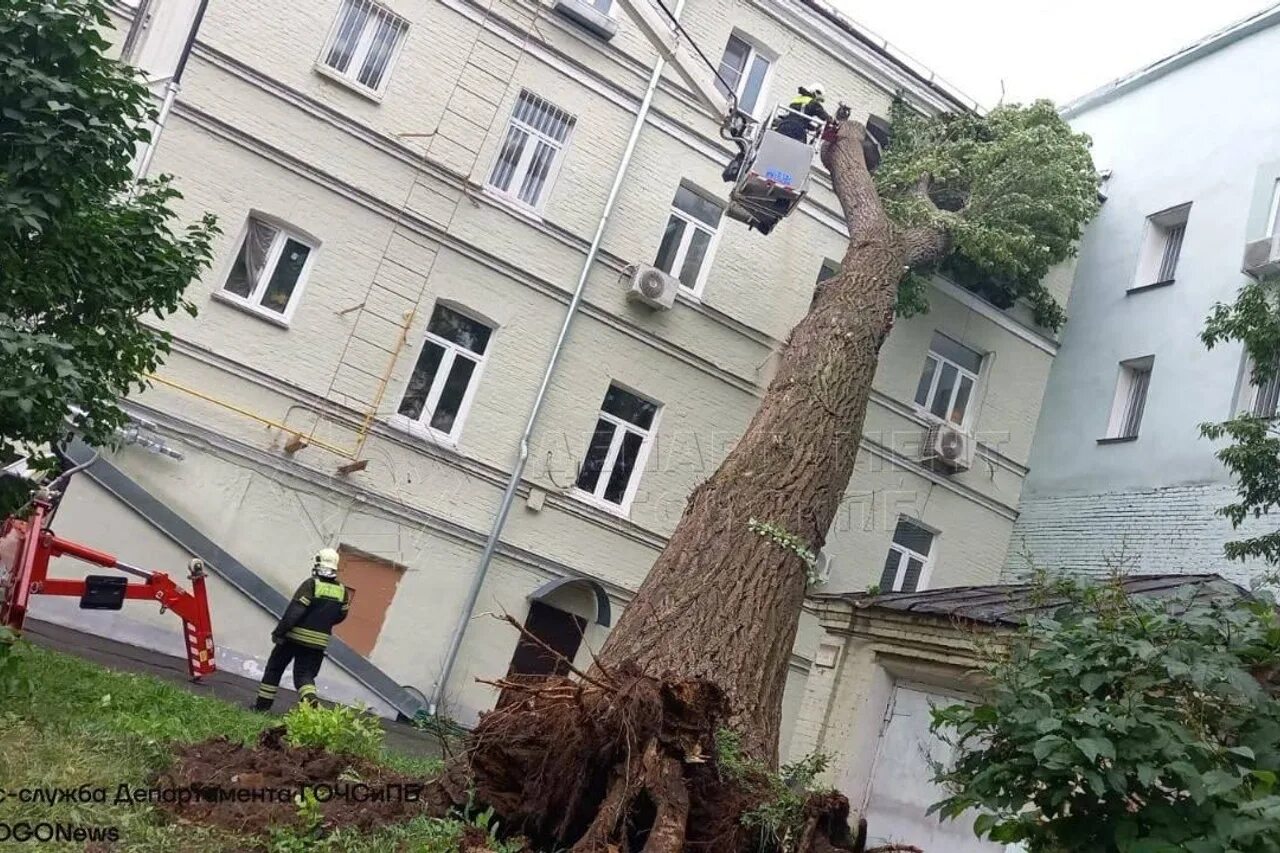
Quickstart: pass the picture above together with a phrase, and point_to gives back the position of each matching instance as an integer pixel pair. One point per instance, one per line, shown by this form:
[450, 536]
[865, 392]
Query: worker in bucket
[302, 635]
[797, 124]
[805, 107]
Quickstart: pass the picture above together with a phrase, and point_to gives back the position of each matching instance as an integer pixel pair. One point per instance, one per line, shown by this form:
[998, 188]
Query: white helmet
[816, 90]
[326, 563]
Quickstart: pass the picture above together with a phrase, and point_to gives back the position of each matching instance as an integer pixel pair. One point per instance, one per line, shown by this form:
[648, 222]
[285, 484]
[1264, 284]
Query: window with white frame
[687, 244]
[1262, 398]
[1131, 398]
[531, 151]
[1162, 247]
[270, 268]
[906, 568]
[746, 71]
[363, 43]
[948, 380]
[610, 473]
[445, 377]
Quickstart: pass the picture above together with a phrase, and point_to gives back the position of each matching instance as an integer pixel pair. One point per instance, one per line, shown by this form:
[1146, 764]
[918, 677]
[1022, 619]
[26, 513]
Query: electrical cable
[715, 69]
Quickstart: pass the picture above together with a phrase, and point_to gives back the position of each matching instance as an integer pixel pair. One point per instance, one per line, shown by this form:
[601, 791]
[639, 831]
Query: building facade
[1120, 477]
[408, 192]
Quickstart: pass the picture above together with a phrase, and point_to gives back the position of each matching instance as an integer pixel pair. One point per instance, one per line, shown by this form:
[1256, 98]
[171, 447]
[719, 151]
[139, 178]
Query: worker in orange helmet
[303, 633]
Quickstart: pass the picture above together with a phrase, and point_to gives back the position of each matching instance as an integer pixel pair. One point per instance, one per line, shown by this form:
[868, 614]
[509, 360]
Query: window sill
[591, 500]
[348, 84]
[1155, 285]
[422, 433]
[588, 17]
[517, 207]
[261, 313]
[935, 420]
[1120, 439]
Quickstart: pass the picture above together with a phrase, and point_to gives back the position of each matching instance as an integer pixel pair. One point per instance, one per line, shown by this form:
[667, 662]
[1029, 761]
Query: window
[364, 43]
[946, 384]
[270, 268]
[1158, 263]
[1263, 398]
[828, 269]
[530, 155]
[691, 232]
[906, 569]
[444, 380]
[1130, 399]
[611, 471]
[745, 71]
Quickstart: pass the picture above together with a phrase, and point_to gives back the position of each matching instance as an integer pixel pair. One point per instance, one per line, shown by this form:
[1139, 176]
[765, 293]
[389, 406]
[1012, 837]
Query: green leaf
[1093, 747]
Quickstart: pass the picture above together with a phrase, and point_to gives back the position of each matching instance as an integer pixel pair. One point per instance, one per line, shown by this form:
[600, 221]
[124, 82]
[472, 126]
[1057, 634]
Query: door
[373, 585]
[560, 633]
[901, 782]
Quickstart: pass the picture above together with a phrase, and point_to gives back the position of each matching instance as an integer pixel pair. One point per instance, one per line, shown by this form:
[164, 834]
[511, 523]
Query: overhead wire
[715, 67]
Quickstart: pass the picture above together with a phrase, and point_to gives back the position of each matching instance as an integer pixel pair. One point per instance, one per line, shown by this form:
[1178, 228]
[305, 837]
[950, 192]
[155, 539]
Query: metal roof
[1010, 604]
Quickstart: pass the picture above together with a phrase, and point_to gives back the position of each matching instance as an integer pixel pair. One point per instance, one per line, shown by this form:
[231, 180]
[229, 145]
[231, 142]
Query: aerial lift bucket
[26, 547]
[774, 175]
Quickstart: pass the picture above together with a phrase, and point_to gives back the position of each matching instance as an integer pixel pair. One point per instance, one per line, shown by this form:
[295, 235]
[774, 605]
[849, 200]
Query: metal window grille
[527, 160]
[1266, 396]
[364, 41]
[1172, 248]
[1139, 381]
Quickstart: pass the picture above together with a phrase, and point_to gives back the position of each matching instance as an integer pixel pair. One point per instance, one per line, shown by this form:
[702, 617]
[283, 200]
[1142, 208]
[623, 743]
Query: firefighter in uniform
[302, 635]
[806, 105]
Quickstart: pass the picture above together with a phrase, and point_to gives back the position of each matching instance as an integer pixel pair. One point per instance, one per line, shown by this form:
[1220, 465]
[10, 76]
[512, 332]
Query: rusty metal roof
[1010, 604]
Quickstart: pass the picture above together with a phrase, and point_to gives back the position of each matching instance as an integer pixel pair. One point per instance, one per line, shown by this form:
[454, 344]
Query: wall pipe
[522, 456]
[171, 89]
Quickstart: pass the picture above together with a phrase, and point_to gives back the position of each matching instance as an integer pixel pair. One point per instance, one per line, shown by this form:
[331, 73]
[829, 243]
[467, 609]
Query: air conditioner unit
[1262, 257]
[653, 287]
[947, 448]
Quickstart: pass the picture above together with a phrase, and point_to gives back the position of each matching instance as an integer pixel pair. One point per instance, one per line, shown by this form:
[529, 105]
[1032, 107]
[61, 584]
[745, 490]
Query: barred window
[363, 43]
[530, 155]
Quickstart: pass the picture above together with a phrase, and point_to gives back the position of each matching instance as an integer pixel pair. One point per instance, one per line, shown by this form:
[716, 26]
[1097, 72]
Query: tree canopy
[84, 254]
[1126, 724]
[1012, 189]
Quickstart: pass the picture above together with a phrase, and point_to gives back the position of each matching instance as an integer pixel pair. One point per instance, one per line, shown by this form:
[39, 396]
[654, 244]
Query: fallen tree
[623, 758]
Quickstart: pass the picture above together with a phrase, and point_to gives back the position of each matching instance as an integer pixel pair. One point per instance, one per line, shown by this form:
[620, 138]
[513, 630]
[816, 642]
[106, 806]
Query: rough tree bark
[622, 758]
[723, 602]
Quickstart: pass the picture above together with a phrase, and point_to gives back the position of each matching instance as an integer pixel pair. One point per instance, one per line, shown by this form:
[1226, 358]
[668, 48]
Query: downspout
[522, 457]
[171, 89]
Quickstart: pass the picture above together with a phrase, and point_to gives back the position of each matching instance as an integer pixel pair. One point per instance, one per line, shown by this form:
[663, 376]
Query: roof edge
[1205, 46]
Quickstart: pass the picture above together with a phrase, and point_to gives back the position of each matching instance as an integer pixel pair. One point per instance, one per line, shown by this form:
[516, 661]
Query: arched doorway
[559, 612]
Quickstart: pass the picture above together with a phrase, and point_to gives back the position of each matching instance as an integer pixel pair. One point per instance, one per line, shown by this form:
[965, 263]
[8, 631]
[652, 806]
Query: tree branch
[926, 244]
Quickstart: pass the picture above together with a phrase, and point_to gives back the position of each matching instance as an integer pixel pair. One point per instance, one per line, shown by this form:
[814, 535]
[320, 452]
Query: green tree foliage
[1013, 188]
[1252, 453]
[84, 255]
[1124, 724]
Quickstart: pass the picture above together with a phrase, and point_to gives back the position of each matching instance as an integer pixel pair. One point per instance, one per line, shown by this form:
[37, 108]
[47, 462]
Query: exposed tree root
[622, 763]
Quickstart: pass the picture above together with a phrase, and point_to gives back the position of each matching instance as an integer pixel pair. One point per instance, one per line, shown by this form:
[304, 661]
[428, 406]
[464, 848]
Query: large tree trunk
[622, 759]
[723, 601]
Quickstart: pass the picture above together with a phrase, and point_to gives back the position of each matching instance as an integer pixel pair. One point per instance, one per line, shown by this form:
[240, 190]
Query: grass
[66, 723]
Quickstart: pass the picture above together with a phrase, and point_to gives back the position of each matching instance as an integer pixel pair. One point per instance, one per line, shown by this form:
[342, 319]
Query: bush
[1127, 723]
[339, 729]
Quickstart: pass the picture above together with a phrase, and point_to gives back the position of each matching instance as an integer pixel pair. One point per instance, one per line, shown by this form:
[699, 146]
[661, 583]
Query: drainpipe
[171, 89]
[522, 457]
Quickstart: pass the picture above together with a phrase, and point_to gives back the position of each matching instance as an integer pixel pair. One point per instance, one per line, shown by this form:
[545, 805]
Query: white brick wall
[1154, 531]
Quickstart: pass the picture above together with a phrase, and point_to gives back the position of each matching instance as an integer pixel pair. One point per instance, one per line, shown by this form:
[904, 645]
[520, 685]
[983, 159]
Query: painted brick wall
[1173, 529]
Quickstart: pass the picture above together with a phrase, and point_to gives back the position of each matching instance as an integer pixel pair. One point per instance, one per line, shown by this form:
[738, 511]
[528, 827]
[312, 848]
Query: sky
[1038, 48]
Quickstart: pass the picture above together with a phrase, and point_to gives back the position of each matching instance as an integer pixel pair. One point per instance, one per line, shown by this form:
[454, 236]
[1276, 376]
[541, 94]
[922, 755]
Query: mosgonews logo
[44, 832]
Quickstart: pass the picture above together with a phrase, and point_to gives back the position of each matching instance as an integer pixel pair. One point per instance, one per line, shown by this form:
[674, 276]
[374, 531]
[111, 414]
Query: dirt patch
[250, 790]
